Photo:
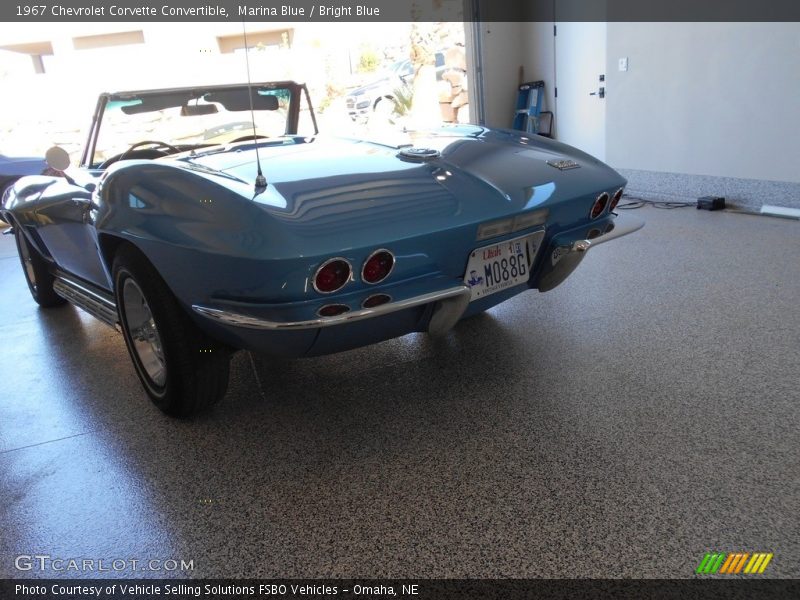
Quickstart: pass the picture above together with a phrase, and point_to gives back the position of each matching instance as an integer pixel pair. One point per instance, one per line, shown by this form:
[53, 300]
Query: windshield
[189, 118]
[402, 68]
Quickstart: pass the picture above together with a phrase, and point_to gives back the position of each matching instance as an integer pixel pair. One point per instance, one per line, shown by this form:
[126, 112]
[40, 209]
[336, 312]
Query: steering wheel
[125, 154]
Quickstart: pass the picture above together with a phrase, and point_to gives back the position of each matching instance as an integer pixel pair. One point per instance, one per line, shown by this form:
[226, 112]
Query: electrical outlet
[623, 64]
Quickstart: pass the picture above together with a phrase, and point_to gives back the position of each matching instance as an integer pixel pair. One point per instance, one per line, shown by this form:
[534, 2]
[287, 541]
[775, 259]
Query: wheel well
[109, 245]
[380, 99]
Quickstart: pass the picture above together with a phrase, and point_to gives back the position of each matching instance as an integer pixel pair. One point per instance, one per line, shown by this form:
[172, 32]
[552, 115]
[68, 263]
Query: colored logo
[734, 563]
[474, 279]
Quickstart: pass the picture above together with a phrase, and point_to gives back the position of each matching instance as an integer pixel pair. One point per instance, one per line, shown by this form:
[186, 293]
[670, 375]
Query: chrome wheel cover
[143, 332]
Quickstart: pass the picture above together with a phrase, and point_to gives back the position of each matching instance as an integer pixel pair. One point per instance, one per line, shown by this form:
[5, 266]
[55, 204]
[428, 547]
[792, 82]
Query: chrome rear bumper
[451, 304]
[565, 258]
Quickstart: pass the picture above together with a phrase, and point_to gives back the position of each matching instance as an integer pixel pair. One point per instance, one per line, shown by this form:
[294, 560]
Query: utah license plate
[492, 269]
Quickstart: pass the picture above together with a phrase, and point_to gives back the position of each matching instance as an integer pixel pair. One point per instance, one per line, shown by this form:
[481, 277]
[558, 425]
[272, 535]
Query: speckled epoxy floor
[645, 412]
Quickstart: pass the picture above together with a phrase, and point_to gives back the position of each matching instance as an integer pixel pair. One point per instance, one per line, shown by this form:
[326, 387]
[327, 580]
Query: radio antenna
[261, 181]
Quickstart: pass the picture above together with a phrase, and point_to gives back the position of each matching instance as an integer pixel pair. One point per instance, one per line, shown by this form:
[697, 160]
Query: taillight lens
[377, 267]
[332, 310]
[615, 199]
[599, 205]
[376, 300]
[332, 275]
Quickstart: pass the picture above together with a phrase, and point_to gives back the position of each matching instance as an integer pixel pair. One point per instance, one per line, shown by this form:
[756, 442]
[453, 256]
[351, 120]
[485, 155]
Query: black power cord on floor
[636, 202]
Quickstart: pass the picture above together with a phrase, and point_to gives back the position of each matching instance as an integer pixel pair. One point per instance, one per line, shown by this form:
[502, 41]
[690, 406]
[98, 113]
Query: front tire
[383, 110]
[37, 272]
[182, 370]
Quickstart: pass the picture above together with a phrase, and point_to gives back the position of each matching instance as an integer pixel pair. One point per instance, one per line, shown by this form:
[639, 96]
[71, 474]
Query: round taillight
[377, 266]
[615, 199]
[376, 300]
[599, 205]
[332, 310]
[332, 275]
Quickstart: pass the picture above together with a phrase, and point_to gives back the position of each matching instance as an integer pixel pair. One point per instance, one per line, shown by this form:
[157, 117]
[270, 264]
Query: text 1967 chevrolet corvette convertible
[170, 230]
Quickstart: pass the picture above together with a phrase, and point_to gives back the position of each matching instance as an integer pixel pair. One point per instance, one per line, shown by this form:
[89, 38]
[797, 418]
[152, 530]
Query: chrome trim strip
[86, 291]
[622, 226]
[566, 258]
[327, 262]
[364, 266]
[94, 304]
[447, 313]
[240, 320]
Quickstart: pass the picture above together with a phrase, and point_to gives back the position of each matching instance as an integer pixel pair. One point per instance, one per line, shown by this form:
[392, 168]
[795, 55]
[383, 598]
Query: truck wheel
[182, 370]
[36, 271]
[383, 110]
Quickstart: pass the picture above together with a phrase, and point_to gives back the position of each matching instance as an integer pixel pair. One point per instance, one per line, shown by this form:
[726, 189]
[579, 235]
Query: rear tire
[182, 370]
[37, 272]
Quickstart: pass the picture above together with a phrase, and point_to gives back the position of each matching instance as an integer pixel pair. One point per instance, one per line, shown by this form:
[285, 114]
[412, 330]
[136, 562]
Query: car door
[66, 223]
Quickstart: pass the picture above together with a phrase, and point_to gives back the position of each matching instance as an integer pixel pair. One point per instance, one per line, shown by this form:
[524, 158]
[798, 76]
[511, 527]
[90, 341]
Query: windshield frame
[296, 91]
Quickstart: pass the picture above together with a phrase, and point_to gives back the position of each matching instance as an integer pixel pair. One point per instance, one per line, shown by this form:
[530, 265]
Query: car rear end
[354, 243]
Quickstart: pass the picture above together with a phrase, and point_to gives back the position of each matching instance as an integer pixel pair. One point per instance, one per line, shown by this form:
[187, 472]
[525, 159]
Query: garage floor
[644, 413]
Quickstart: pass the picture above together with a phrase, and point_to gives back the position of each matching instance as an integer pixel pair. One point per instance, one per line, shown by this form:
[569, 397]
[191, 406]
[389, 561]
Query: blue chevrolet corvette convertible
[204, 220]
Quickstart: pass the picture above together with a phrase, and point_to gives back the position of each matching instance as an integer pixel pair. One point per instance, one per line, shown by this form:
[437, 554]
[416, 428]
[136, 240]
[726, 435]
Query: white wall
[538, 47]
[502, 57]
[718, 99]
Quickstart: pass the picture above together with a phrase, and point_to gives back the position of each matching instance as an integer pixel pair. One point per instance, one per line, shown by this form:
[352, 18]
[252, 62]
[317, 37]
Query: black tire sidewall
[19, 237]
[122, 272]
[42, 290]
[197, 368]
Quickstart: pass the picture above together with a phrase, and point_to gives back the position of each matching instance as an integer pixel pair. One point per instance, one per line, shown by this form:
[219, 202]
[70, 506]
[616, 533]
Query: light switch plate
[623, 64]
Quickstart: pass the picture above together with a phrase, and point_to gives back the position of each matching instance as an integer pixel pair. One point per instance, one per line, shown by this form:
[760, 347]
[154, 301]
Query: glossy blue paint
[215, 241]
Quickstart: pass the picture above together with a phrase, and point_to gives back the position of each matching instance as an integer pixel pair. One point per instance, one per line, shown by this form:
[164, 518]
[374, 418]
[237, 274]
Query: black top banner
[399, 10]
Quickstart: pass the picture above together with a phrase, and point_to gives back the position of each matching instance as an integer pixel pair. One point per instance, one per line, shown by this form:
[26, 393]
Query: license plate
[494, 268]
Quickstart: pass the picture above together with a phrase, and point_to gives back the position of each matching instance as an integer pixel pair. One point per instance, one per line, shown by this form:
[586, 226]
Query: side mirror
[57, 158]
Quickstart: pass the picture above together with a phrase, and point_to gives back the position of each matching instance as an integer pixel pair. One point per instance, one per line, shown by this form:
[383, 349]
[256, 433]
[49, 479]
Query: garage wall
[719, 99]
[538, 46]
[501, 52]
[505, 48]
